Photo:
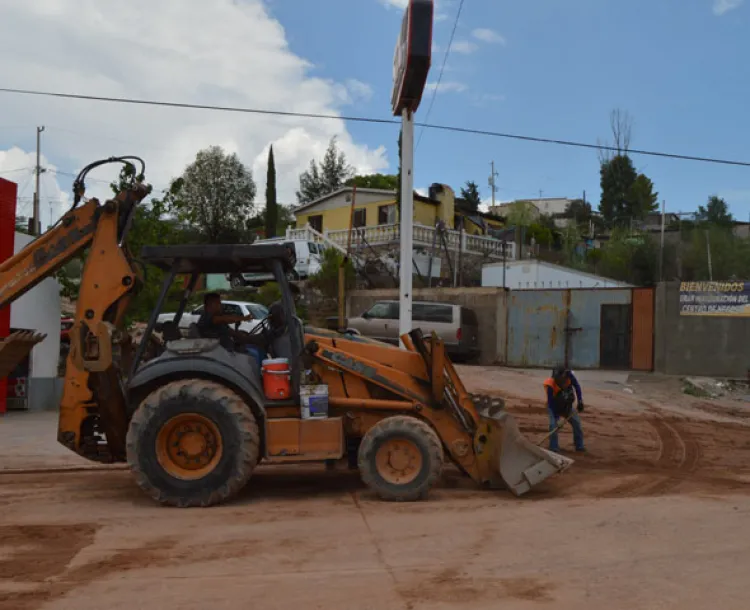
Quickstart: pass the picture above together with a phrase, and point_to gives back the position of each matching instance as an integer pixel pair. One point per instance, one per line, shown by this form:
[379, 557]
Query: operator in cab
[215, 324]
[560, 388]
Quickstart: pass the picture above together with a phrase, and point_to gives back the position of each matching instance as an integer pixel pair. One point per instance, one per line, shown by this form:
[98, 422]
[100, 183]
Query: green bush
[327, 279]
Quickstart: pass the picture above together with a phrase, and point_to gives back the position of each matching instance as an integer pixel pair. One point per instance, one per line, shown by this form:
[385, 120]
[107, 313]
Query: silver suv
[457, 326]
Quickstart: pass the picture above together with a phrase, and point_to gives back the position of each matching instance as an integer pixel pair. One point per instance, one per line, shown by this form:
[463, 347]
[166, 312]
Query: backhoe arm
[92, 412]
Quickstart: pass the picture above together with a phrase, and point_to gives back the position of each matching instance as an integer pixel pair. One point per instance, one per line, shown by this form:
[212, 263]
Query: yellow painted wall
[425, 213]
[338, 218]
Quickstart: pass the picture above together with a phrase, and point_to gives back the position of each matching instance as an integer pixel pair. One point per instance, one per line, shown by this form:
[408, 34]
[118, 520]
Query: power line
[442, 69]
[11, 171]
[356, 119]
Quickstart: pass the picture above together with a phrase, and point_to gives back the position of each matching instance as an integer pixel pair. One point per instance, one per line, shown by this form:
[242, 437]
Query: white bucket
[314, 401]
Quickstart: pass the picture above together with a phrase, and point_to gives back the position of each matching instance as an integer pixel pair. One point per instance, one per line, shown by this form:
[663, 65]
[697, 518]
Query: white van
[308, 255]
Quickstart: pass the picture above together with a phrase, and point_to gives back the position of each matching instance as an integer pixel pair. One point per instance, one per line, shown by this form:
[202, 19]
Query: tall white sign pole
[407, 222]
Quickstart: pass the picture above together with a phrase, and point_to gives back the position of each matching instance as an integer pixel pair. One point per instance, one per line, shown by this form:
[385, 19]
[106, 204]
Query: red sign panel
[411, 60]
[8, 191]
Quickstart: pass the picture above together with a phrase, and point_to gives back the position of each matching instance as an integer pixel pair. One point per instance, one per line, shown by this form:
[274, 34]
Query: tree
[216, 193]
[642, 200]
[272, 214]
[324, 177]
[617, 176]
[716, 212]
[327, 278]
[621, 126]
[387, 182]
[522, 214]
[579, 210]
[470, 194]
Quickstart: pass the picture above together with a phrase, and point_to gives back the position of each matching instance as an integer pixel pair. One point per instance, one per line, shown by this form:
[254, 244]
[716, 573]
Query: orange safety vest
[556, 389]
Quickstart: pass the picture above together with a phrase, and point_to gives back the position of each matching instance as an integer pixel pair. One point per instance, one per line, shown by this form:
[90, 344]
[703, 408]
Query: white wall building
[39, 310]
[535, 274]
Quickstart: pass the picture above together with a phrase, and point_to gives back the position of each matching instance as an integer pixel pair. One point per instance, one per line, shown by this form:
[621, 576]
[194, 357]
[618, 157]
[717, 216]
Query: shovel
[559, 427]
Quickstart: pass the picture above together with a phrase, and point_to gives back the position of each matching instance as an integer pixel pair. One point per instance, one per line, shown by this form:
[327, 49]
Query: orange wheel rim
[398, 461]
[189, 446]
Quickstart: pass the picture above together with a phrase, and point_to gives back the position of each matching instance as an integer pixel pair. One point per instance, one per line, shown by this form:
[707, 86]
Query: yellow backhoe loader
[194, 422]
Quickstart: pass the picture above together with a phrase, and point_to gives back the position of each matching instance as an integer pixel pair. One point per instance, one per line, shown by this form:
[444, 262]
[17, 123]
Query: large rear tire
[400, 459]
[192, 443]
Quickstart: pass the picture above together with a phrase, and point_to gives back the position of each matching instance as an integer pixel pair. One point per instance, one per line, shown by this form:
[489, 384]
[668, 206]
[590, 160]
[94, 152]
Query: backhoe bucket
[15, 347]
[511, 460]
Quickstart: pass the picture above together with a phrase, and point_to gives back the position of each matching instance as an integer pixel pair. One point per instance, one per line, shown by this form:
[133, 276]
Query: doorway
[614, 343]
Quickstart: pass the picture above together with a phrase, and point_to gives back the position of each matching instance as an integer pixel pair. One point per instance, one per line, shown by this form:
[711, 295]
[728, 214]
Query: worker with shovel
[560, 388]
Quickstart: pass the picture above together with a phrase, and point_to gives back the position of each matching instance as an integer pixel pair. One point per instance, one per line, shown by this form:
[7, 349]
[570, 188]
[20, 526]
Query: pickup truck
[239, 308]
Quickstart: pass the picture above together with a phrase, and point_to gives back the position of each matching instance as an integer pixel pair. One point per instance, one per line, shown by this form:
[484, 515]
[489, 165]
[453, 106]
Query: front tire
[400, 459]
[192, 443]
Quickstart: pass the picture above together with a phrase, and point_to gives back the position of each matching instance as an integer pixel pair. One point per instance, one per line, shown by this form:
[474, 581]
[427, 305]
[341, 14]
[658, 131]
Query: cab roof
[219, 258]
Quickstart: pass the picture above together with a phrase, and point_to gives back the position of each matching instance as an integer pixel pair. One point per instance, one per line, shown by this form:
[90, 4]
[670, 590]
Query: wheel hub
[399, 461]
[189, 446]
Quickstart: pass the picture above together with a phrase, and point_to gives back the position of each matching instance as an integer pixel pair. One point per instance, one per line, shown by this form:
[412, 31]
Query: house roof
[536, 261]
[348, 189]
[345, 189]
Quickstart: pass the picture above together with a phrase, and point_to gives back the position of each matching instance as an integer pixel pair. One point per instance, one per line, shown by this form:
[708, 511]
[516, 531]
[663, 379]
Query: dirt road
[654, 516]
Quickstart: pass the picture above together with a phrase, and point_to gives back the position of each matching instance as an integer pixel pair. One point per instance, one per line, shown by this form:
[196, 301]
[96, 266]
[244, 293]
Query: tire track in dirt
[678, 457]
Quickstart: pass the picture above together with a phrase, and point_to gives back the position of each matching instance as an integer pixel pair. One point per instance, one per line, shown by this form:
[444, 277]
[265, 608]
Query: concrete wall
[698, 345]
[39, 310]
[488, 303]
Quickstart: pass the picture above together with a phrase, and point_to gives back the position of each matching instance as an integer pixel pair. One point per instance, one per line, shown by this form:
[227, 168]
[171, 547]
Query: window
[383, 311]
[313, 247]
[428, 312]
[229, 309]
[259, 311]
[360, 217]
[316, 222]
[387, 214]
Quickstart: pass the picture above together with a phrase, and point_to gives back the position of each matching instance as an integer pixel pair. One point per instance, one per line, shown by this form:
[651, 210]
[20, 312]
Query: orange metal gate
[643, 329]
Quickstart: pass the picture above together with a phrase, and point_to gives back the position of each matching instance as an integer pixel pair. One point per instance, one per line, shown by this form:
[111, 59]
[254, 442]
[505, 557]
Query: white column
[407, 222]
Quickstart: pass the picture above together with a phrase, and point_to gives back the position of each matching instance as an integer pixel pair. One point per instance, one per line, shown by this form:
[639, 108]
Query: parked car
[457, 326]
[66, 323]
[240, 308]
[307, 255]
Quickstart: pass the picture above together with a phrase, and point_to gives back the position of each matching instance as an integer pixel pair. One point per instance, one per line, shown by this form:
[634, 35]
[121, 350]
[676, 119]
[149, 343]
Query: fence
[424, 237]
[585, 328]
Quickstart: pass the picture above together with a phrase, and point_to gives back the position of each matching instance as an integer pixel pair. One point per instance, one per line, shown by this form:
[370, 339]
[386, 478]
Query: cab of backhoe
[187, 351]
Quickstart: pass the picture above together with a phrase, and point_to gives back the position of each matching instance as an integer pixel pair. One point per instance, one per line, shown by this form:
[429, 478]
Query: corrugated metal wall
[536, 327]
[584, 349]
[549, 327]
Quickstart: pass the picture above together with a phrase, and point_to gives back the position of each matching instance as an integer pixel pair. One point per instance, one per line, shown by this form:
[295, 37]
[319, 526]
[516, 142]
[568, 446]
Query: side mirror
[366, 315]
[236, 326]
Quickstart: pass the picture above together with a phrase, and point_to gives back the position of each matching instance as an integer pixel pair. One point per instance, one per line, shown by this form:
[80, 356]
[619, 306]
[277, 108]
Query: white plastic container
[314, 400]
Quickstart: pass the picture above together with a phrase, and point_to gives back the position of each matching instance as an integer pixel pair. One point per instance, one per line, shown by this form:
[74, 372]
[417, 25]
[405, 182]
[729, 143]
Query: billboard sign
[411, 59]
[728, 299]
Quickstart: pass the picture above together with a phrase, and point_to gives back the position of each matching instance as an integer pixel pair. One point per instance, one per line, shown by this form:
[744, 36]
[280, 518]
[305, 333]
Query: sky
[540, 68]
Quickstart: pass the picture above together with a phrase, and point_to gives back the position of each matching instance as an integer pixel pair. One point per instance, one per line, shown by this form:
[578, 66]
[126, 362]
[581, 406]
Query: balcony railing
[424, 237]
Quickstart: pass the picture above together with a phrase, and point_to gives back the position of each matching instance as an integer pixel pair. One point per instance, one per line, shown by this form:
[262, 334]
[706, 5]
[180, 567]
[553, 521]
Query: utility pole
[493, 182]
[661, 250]
[708, 255]
[37, 225]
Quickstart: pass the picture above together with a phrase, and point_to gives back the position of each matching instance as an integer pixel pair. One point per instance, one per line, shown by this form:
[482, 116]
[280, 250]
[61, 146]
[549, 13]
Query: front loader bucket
[511, 460]
[15, 347]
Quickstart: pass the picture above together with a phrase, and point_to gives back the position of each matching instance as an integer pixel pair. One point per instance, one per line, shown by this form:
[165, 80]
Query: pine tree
[272, 211]
[470, 194]
[324, 177]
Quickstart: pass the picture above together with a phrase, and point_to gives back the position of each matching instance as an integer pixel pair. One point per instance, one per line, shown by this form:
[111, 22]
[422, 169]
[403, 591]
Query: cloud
[484, 99]
[224, 52]
[17, 166]
[487, 35]
[463, 46]
[724, 6]
[447, 87]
